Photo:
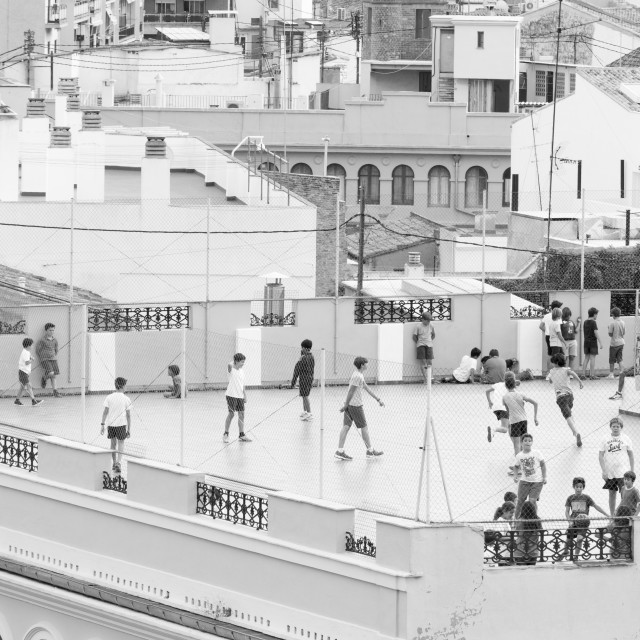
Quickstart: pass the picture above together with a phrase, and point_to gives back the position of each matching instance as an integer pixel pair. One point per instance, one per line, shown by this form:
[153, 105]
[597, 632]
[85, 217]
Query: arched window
[337, 171]
[506, 188]
[268, 166]
[369, 180]
[475, 183]
[302, 168]
[402, 185]
[439, 186]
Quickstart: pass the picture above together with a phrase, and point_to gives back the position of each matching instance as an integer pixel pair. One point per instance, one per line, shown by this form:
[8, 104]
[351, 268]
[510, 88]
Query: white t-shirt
[616, 456]
[118, 405]
[530, 465]
[463, 372]
[235, 388]
[499, 389]
[547, 323]
[554, 327]
[357, 381]
[25, 357]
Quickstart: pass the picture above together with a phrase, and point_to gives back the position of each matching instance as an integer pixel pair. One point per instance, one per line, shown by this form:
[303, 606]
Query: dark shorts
[565, 402]
[425, 353]
[554, 350]
[547, 339]
[577, 527]
[23, 377]
[590, 348]
[615, 354]
[305, 391]
[50, 367]
[119, 433]
[354, 415]
[518, 429]
[235, 404]
[500, 414]
[613, 484]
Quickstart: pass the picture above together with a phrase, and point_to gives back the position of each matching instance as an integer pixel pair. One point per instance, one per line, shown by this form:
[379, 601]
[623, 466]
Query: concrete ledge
[163, 486]
[73, 463]
[309, 522]
[397, 541]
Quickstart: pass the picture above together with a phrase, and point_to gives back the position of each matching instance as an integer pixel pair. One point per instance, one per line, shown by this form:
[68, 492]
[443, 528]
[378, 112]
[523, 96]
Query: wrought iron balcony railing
[114, 483]
[390, 311]
[17, 452]
[363, 545]
[233, 506]
[111, 319]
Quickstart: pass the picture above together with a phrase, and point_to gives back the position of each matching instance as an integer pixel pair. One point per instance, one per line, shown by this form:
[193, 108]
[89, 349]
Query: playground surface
[289, 454]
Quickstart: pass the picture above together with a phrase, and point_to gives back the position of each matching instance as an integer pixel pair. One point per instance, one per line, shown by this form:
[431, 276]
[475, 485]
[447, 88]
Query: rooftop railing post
[323, 356]
[183, 392]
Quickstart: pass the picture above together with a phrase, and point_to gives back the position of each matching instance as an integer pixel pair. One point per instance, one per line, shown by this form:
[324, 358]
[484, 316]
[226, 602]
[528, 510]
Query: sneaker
[35, 403]
[610, 376]
[341, 455]
[57, 394]
[578, 440]
[43, 382]
[372, 453]
[244, 438]
[16, 401]
[489, 434]
[308, 417]
[616, 396]
[225, 437]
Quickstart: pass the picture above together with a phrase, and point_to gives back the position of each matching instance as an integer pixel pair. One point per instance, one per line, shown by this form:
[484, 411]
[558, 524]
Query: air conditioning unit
[232, 105]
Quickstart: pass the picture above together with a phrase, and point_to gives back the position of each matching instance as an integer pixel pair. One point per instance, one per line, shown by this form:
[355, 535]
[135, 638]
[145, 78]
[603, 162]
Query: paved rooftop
[285, 452]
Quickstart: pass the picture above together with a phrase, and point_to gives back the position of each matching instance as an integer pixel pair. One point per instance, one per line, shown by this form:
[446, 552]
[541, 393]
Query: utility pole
[356, 33]
[29, 44]
[361, 242]
[322, 37]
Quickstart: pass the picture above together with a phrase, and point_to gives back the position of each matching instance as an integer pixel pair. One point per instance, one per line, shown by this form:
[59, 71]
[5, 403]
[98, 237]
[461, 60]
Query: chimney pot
[60, 137]
[35, 108]
[155, 147]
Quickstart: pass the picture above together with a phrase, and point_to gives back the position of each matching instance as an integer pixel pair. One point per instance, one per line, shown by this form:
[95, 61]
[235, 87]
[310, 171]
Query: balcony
[81, 11]
[56, 15]
[175, 17]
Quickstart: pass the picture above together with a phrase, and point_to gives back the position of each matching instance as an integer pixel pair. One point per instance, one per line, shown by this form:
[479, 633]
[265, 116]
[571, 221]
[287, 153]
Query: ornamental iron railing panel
[111, 319]
[538, 305]
[12, 329]
[603, 544]
[363, 545]
[273, 320]
[233, 506]
[388, 311]
[17, 452]
[115, 483]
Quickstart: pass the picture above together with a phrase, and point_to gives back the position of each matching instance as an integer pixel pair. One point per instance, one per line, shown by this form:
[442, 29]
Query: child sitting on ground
[175, 390]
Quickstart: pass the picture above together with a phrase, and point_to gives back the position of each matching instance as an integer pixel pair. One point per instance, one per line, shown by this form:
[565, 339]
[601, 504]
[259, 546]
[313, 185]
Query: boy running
[514, 404]
[117, 411]
[560, 377]
[236, 397]
[303, 371]
[354, 412]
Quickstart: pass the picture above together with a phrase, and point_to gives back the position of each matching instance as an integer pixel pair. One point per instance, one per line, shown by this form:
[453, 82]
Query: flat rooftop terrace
[286, 452]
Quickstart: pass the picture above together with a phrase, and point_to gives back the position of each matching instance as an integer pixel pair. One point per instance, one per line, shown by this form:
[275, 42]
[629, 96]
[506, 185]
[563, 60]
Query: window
[273, 4]
[194, 6]
[296, 39]
[337, 171]
[340, 13]
[369, 20]
[302, 168]
[506, 188]
[268, 166]
[479, 96]
[480, 40]
[424, 81]
[560, 86]
[165, 7]
[541, 84]
[255, 22]
[423, 24]
[369, 180]
[439, 183]
[475, 184]
[402, 185]
[572, 83]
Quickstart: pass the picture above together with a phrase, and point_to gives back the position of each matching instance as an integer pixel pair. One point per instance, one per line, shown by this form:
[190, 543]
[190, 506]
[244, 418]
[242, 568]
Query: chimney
[90, 144]
[74, 116]
[67, 86]
[60, 166]
[414, 269]
[9, 154]
[35, 108]
[155, 182]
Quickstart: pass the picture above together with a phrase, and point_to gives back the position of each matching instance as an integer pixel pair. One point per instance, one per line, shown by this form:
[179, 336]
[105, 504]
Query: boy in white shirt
[236, 397]
[616, 458]
[24, 371]
[531, 473]
[117, 412]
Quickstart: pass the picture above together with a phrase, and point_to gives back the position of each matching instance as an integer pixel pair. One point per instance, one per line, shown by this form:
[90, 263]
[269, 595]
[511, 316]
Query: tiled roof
[378, 240]
[631, 59]
[608, 81]
[39, 290]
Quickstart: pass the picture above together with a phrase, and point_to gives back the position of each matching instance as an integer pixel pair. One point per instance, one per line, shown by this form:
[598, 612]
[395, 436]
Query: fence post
[72, 224]
[323, 355]
[83, 372]
[207, 292]
[582, 238]
[426, 457]
[183, 392]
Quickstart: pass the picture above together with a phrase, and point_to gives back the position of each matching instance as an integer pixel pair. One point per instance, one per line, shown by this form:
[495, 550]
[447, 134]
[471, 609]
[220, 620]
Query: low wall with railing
[278, 562]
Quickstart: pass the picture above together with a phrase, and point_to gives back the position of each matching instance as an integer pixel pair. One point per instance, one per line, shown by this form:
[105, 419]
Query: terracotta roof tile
[609, 79]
